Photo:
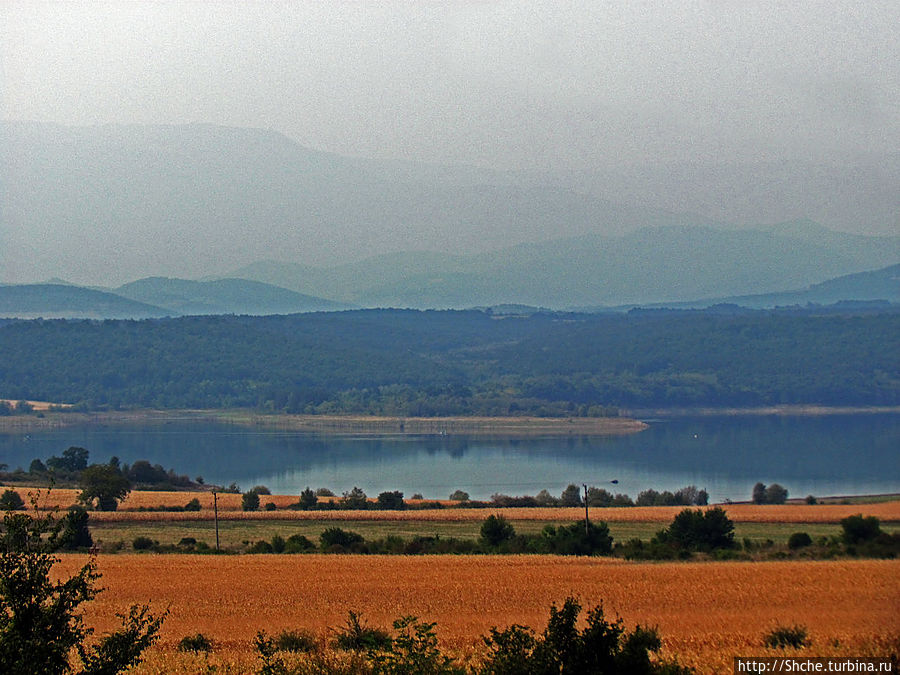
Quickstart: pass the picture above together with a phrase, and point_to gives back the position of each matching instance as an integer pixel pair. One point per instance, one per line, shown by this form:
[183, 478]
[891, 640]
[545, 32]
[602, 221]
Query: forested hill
[447, 362]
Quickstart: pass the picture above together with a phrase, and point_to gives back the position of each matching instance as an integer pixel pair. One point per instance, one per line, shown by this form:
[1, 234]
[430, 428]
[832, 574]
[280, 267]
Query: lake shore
[340, 424]
[778, 410]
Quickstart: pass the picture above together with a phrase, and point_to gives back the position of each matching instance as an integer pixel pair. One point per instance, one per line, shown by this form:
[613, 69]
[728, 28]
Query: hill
[52, 301]
[411, 363]
[223, 296]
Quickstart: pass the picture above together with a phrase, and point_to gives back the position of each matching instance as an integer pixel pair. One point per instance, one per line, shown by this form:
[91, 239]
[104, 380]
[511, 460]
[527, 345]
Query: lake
[827, 455]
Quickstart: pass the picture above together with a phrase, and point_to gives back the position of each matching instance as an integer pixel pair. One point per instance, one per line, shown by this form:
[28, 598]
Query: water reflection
[824, 455]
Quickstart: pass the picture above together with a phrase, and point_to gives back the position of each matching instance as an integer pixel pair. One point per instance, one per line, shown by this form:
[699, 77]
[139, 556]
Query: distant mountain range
[653, 265]
[156, 297]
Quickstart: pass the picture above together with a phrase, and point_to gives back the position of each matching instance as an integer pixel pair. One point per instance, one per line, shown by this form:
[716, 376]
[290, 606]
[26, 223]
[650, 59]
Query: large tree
[104, 484]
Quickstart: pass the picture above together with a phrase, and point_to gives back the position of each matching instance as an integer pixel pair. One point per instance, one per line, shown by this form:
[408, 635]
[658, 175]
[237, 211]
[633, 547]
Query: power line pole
[587, 520]
[216, 511]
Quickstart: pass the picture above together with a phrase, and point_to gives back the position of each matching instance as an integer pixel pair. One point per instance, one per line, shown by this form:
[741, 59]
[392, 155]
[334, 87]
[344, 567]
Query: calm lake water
[830, 455]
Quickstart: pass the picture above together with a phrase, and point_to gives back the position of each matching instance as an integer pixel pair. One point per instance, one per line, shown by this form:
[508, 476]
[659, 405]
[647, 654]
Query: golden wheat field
[230, 509]
[706, 612]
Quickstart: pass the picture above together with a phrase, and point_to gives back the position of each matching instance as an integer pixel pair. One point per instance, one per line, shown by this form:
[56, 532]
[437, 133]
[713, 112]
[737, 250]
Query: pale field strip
[706, 612]
[230, 509]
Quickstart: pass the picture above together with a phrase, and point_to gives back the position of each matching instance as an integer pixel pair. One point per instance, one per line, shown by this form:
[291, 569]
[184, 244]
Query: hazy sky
[537, 85]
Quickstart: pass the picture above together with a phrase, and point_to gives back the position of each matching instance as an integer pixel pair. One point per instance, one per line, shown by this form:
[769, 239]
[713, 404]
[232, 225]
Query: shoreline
[630, 422]
[352, 425]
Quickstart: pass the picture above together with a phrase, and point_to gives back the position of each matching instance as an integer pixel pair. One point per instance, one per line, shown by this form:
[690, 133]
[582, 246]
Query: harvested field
[706, 612]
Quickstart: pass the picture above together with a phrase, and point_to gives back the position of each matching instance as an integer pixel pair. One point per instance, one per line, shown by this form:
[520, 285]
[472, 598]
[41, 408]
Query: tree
[104, 483]
[392, 501]
[74, 533]
[250, 501]
[571, 496]
[41, 621]
[775, 494]
[11, 501]
[355, 499]
[459, 496]
[73, 459]
[495, 530]
[308, 499]
[36, 466]
[759, 493]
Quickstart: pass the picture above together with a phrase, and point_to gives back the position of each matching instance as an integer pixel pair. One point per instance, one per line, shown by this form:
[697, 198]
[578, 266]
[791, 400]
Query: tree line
[412, 363]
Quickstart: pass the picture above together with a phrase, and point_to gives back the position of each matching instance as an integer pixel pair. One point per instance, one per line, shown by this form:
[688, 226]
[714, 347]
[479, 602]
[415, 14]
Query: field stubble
[706, 612]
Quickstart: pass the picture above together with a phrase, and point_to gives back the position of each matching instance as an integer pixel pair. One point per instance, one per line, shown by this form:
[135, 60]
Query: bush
[495, 530]
[600, 647]
[195, 643]
[783, 637]
[193, 505]
[696, 530]
[335, 538]
[575, 539]
[297, 543]
[250, 501]
[799, 540]
[295, 641]
[859, 528]
[413, 651]
[142, 543]
[75, 533]
[357, 636]
[11, 501]
[260, 546]
[270, 506]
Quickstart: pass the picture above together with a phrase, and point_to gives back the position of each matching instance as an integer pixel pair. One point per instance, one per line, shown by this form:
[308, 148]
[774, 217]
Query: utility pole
[216, 511]
[587, 521]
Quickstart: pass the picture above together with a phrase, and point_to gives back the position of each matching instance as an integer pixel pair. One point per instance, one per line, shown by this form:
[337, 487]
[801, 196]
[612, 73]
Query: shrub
[335, 537]
[250, 501]
[860, 528]
[278, 543]
[75, 533]
[142, 543]
[11, 501]
[270, 506]
[413, 651]
[195, 643]
[696, 530]
[576, 539]
[193, 505]
[799, 540]
[297, 543]
[495, 530]
[295, 641]
[260, 546]
[783, 637]
[357, 636]
[600, 647]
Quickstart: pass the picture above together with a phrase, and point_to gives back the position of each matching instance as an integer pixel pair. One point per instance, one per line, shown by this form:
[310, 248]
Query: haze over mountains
[103, 206]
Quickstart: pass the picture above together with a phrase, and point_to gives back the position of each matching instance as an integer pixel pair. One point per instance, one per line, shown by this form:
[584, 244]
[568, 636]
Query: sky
[545, 85]
[740, 112]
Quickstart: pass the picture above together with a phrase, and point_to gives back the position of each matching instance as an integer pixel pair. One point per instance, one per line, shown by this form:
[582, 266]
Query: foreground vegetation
[409, 363]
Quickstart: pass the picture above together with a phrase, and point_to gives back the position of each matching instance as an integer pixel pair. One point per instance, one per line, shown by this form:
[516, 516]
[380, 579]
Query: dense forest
[456, 362]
